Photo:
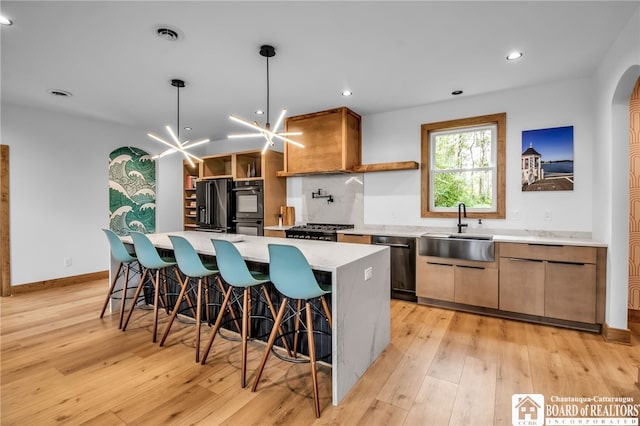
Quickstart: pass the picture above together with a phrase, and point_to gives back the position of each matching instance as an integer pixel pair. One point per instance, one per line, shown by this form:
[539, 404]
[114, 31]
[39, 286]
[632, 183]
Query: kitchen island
[359, 305]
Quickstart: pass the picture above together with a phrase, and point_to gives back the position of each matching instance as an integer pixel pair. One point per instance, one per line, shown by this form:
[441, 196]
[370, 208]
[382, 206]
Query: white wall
[59, 197]
[394, 197]
[615, 79]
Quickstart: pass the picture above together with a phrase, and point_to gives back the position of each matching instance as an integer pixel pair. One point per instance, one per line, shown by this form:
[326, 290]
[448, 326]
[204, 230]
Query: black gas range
[316, 231]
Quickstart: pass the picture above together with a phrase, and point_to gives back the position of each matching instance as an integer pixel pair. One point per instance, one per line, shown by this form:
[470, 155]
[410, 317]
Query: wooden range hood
[333, 144]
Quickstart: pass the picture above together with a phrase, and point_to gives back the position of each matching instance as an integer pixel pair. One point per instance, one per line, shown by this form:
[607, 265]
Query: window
[463, 161]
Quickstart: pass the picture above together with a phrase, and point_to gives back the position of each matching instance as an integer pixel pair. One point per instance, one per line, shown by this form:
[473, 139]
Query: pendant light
[267, 132]
[177, 145]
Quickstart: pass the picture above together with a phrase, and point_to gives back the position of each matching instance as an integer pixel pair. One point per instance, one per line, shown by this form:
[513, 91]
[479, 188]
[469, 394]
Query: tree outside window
[463, 162]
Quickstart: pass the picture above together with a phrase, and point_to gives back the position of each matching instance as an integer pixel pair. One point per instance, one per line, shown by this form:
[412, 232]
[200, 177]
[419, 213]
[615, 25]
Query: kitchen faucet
[460, 224]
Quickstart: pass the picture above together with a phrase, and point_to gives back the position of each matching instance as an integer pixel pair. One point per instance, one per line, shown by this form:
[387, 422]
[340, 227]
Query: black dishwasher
[403, 265]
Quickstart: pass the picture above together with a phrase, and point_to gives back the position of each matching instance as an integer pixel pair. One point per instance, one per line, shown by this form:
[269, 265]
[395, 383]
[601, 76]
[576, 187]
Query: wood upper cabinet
[331, 138]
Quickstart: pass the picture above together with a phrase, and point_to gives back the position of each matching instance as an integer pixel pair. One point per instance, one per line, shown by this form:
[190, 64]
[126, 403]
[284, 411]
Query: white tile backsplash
[348, 199]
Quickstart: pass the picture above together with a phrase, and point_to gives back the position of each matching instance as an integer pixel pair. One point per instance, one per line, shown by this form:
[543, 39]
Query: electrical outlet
[514, 214]
[368, 273]
[547, 215]
[67, 261]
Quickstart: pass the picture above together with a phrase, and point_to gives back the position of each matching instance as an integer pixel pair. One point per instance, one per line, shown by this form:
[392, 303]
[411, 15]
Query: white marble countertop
[499, 235]
[321, 255]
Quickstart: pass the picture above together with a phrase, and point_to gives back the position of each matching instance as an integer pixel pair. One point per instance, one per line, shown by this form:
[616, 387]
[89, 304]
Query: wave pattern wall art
[132, 191]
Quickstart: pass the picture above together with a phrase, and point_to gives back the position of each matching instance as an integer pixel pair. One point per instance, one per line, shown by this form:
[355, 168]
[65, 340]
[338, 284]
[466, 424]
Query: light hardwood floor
[61, 364]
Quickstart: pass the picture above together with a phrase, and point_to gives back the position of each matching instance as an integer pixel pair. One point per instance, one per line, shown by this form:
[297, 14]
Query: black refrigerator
[214, 205]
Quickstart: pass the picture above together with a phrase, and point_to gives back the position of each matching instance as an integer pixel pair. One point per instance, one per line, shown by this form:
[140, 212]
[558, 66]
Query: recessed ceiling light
[259, 112]
[187, 128]
[5, 21]
[58, 92]
[456, 92]
[514, 55]
[347, 93]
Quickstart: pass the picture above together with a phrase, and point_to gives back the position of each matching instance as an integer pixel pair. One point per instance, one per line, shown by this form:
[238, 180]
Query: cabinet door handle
[470, 267]
[517, 259]
[439, 264]
[567, 263]
[545, 245]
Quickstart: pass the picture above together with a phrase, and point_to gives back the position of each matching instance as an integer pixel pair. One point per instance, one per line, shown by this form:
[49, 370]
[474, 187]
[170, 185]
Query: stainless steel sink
[458, 246]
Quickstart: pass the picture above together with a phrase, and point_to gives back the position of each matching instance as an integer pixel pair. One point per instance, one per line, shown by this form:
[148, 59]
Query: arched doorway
[634, 203]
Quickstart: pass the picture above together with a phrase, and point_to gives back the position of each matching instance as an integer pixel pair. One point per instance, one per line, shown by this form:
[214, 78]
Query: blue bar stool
[192, 266]
[291, 274]
[236, 274]
[125, 261]
[151, 262]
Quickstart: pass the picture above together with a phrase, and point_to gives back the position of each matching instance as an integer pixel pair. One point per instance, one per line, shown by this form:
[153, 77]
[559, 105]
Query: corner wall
[60, 190]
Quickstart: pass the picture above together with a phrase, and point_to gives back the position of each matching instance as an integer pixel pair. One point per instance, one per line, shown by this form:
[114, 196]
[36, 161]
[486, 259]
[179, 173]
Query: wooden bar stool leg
[312, 358]
[198, 319]
[135, 298]
[245, 333]
[216, 326]
[111, 287]
[156, 302]
[176, 308]
[272, 339]
[232, 311]
[123, 298]
[273, 315]
[297, 328]
[327, 312]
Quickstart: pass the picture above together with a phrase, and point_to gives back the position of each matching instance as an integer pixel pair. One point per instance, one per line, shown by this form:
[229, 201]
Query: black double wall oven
[249, 207]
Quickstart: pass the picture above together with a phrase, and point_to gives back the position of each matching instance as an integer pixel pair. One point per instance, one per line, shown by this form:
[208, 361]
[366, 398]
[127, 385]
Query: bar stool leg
[312, 358]
[297, 328]
[111, 287]
[273, 315]
[156, 302]
[232, 311]
[198, 319]
[270, 342]
[123, 299]
[246, 305]
[327, 312]
[135, 298]
[216, 326]
[176, 308]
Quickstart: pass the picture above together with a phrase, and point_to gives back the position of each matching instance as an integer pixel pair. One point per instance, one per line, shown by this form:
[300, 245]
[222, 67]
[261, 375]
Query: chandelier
[178, 146]
[267, 131]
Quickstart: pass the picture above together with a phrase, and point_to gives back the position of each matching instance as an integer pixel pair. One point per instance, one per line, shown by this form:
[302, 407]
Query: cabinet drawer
[354, 238]
[274, 233]
[434, 280]
[573, 254]
[476, 286]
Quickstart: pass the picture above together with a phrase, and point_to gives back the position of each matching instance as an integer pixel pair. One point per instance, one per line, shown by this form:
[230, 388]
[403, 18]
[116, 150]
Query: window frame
[499, 120]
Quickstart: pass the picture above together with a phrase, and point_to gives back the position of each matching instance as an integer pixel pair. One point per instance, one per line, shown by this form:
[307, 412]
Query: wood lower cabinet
[557, 281]
[459, 281]
[274, 233]
[522, 285]
[434, 280]
[570, 291]
[354, 238]
[476, 286]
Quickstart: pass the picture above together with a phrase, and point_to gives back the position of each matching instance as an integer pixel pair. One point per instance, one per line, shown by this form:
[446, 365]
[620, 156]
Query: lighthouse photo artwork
[547, 159]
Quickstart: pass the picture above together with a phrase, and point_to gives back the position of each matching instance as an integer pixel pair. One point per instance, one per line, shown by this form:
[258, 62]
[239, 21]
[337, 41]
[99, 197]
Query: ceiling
[391, 54]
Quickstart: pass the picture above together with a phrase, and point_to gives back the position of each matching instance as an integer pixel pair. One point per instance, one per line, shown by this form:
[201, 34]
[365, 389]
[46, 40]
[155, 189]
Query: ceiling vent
[167, 33]
[58, 92]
